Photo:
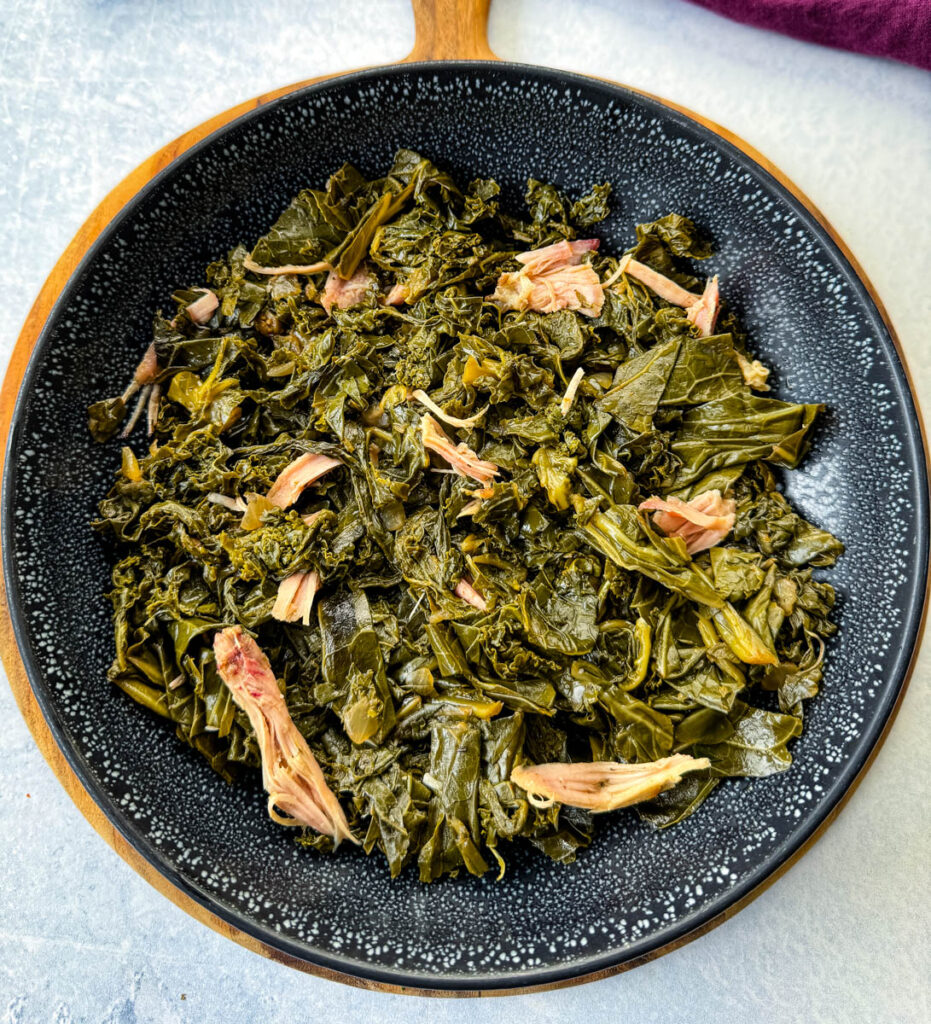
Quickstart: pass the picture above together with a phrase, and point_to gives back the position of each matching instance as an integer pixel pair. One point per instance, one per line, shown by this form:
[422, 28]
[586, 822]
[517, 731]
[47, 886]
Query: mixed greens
[486, 501]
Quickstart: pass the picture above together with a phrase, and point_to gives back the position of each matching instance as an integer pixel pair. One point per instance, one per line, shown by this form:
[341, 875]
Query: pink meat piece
[601, 786]
[470, 595]
[704, 312]
[461, 457]
[296, 597]
[702, 522]
[553, 278]
[556, 256]
[297, 475]
[202, 309]
[298, 793]
[576, 287]
[397, 296]
[657, 282]
[147, 369]
[343, 294]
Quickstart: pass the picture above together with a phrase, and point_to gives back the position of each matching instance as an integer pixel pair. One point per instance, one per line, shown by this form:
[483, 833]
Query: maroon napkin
[900, 29]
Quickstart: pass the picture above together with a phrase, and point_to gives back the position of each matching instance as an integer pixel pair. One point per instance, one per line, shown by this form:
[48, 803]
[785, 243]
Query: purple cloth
[899, 29]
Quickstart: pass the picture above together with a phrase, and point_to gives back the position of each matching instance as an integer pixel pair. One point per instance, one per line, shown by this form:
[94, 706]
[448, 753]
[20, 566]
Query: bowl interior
[809, 317]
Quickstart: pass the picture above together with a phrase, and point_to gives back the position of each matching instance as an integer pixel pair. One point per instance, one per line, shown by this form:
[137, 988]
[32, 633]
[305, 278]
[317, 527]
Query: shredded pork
[461, 457]
[152, 409]
[701, 310]
[702, 522]
[297, 475]
[469, 508]
[297, 791]
[290, 268]
[470, 595]
[556, 256]
[601, 786]
[141, 403]
[296, 597]
[145, 373]
[397, 296]
[345, 293]
[233, 504]
[704, 313]
[553, 278]
[569, 397]
[202, 309]
[659, 283]
[453, 421]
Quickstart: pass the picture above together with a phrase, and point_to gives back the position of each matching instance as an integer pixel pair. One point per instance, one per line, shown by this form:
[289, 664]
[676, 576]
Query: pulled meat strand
[202, 309]
[755, 374]
[702, 522]
[141, 403]
[704, 313]
[296, 597]
[152, 409]
[290, 268]
[144, 373]
[453, 421]
[659, 283]
[461, 457]
[470, 595]
[301, 473]
[290, 773]
[569, 397]
[600, 786]
[397, 296]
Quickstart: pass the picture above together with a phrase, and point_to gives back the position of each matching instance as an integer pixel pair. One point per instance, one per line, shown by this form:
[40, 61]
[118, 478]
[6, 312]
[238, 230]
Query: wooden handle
[451, 30]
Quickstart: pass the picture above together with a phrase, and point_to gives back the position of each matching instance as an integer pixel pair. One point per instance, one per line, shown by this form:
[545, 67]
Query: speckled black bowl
[636, 890]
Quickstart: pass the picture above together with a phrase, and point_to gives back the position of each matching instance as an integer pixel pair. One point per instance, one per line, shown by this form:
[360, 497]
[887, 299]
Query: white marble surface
[88, 88]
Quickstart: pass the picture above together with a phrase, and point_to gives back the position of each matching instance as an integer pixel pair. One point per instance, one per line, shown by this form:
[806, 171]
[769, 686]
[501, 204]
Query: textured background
[87, 90]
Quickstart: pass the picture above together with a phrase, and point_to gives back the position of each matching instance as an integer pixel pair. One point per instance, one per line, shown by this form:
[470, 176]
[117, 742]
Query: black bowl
[636, 890]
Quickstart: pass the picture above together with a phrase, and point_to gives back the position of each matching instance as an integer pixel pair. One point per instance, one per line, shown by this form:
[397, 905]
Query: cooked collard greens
[460, 528]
